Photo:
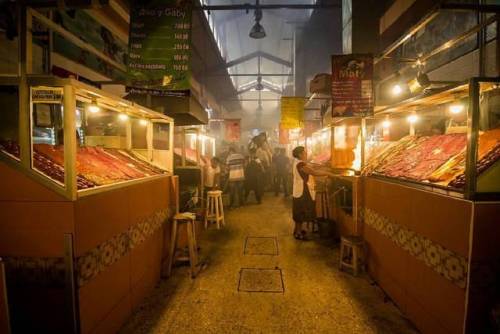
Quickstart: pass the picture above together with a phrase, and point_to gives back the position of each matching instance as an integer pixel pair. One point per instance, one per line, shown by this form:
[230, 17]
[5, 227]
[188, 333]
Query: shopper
[281, 167]
[236, 168]
[254, 173]
[303, 207]
[212, 174]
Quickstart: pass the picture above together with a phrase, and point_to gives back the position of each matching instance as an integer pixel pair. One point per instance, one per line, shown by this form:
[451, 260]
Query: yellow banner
[292, 112]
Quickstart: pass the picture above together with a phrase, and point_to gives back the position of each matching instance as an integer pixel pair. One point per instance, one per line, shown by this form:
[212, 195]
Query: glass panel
[161, 136]
[426, 145]
[104, 156]
[139, 134]
[9, 121]
[321, 146]
[488, 152]
[47, 136]
[347, 144]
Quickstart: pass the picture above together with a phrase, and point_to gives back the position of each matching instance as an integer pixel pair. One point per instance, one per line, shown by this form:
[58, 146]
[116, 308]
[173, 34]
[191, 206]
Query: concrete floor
[317, 297]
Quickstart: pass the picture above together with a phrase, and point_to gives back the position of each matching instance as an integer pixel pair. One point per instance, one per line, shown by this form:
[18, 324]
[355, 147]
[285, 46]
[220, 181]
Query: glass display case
[446, 140]
[192, 147]
[82, 139]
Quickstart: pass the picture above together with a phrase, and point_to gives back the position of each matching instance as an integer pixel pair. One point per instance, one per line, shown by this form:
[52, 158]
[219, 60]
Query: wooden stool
[351, 250]
[215, 209]
[187, 218]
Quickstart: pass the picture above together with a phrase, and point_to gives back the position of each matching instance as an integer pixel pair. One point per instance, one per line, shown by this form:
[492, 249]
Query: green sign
[160, 46]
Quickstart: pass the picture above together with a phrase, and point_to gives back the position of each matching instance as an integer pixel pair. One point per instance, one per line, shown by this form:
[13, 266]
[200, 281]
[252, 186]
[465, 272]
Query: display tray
[96, 166]
[437, 161]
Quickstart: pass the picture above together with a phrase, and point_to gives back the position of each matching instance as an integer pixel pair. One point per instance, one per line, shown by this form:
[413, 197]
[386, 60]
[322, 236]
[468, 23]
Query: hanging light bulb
[93, 107]
[386, 123]
[456, 108]
[412, 119]
[397, 89]
[123, 117]
[143, 122]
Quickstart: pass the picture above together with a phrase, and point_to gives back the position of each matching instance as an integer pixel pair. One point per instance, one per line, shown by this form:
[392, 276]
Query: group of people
[248, 174]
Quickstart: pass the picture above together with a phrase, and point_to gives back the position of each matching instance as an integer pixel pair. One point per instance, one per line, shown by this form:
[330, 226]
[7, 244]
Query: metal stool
[187, 218]
[351, 251]
[215, 209]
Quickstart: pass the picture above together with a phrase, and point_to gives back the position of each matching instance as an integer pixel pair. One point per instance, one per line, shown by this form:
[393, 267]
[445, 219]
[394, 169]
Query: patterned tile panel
[98, 259]
[445, 262]
[41, 271]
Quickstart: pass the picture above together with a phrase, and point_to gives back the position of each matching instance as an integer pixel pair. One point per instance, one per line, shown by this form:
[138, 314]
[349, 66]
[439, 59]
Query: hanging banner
[292, 112]
[352, 85]
[160, 47]
[284, 138]
[233, 130]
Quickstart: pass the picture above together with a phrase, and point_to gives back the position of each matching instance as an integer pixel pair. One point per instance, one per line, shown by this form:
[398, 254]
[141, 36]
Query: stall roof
[184, 110]
[85, 91]
[437, 96]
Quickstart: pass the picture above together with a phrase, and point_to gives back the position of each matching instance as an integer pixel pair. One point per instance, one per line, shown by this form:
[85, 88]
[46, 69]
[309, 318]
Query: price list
[352, 80]
[160, 47]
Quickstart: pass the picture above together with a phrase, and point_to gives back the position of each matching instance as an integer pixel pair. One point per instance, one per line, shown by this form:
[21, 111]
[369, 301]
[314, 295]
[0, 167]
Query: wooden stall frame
[71, 87]
[470, 89]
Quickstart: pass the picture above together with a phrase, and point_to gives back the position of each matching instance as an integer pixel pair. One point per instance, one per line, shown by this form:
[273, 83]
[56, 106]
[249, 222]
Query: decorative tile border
[104, 255]
[44, 271]
[445, 262]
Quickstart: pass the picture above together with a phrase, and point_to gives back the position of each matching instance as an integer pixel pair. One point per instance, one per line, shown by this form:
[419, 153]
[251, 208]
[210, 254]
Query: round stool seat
[214, 193]
[183, 216]
[352, 239]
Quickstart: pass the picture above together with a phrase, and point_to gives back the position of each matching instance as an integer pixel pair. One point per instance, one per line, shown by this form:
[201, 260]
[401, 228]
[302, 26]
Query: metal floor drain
[261, 280]
[261, 246]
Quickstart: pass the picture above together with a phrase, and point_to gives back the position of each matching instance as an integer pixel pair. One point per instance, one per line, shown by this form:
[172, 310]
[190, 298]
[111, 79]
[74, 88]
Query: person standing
[212, 174]
[281, 167]
[303, 206]
[236, 163]
[254, 173]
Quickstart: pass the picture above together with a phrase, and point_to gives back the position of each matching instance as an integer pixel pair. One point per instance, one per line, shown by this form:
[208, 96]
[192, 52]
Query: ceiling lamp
[259, 85]
[456, 108]
[257, 30]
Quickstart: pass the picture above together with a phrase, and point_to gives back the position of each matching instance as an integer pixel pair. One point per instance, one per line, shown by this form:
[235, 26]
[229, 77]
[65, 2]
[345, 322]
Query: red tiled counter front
[419, 252]
[118, 249]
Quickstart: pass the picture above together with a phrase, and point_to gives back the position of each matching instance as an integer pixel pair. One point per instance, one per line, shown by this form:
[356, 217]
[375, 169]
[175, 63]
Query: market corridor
[317, 297]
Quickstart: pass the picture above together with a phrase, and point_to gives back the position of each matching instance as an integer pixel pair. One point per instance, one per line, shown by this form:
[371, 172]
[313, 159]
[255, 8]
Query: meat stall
[430, 204]
[86, 192]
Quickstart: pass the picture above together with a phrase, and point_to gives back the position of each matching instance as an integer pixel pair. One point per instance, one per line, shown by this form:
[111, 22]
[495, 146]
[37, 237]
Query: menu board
[352, 85]
[160, 47]
[292, 112]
